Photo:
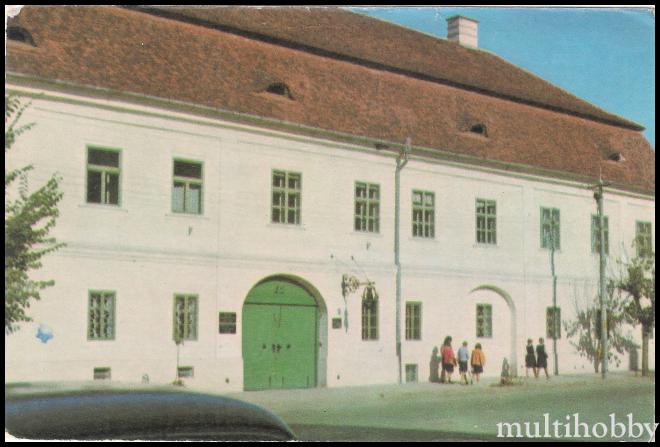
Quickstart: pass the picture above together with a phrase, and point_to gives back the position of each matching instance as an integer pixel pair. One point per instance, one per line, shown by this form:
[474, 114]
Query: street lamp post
[553, 224]
[598, 195]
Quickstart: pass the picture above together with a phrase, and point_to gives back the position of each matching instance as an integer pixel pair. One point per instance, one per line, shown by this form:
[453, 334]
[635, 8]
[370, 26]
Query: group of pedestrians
[476, 360]
[536, 360]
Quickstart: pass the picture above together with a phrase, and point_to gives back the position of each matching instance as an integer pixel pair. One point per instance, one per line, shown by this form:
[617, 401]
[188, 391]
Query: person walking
[477, 361]
[530, 359]
[541, 359]
[448, 358]
[463, 358]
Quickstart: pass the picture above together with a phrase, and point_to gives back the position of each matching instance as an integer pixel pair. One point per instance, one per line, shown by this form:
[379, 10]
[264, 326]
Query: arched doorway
[510, 351]
[281, 322]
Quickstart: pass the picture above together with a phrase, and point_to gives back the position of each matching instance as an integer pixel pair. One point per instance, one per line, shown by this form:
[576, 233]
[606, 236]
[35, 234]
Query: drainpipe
[598, 195]
[401, 161]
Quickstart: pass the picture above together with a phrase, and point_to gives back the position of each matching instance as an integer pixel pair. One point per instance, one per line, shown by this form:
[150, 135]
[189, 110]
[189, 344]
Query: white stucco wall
[146, 253]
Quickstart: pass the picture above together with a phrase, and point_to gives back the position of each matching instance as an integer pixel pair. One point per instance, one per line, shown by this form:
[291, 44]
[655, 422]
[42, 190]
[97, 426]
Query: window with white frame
[484, 320]
[185, 317]
[101, 315]
[187, 187]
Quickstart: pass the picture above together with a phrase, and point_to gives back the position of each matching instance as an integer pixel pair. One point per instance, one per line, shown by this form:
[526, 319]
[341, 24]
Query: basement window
[20, 34]
[280, 89]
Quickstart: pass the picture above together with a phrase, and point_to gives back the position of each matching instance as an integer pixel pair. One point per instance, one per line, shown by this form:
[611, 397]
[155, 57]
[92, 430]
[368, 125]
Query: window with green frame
[486, 211]
[423, 214]
[101, 315]
[369, 320]
[550, 228]
[367, 207]
[644, 239]
[595, 234]
[187, 187]
[103, 176]
[286, 195]
[185, 317]
[553, 323]
[413, 321]
[411, 373]
[484, 320]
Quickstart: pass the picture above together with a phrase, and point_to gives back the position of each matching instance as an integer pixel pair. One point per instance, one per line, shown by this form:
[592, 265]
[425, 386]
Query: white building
[223, 171]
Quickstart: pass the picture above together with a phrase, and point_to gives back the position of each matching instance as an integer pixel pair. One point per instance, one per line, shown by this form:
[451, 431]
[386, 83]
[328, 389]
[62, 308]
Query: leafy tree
[29, 217]
[584, 332]
[635, 287]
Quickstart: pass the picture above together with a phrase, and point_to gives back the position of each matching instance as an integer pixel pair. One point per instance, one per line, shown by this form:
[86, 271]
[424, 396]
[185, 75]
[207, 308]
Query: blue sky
[603, 55]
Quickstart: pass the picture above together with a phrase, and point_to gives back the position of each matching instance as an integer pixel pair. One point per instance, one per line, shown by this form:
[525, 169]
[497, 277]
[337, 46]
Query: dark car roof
[55, 411]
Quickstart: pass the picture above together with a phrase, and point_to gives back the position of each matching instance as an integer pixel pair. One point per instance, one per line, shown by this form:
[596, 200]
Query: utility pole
[401, 161]
[553, 225]
[598, 195]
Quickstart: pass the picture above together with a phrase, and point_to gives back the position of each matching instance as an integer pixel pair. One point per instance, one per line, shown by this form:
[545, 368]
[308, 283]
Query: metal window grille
[227, 323]
[184, 372]
[484, 320]
[553, 323]
[367, 207]
[369, 320]
[103, 176]
[187, 187]
[423, 217]
[486, 211]
[286, 204]
[595, 234]
[101, 316]
[413, 321]
[103, 373]
[550, 228]
[185, 317]
[411, 373]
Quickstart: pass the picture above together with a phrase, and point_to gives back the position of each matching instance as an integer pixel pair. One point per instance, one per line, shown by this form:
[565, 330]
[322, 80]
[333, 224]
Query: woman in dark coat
[541, 359]
[530, 359]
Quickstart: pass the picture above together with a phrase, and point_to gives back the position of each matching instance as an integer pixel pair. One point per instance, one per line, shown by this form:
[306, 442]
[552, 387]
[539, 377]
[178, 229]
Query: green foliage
[29, 218]
[584, 332]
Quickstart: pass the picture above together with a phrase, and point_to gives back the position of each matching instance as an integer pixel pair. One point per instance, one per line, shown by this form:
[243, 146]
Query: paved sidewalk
[426, 411]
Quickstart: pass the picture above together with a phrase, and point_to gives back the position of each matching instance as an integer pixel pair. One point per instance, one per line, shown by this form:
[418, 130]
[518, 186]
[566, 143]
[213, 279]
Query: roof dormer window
[616, 156]
[479, 129]
[20, 34]
[280, 89]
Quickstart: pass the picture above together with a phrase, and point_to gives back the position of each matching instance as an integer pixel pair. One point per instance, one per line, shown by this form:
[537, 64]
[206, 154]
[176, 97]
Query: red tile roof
[339, 79]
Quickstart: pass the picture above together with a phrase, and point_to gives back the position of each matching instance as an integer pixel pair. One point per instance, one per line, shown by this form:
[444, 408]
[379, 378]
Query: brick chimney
[463, 30]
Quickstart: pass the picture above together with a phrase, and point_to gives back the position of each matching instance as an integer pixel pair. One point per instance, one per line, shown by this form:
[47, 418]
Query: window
[595, 234]
[484, 320]
[187, 187]
[227, 323]
[486, 221]
[411, 373]
[103, 176]
[185, 317]
[185, 372]
[336, 323]
[102, 373]
[479, 129]
[550, 228]
[413, 321]
[369, 320]
[286, 197]
[553, 323]
[644, 239]
[19, 34]
[101, 316]
[423, 217]
[367, 207]
[281, 89]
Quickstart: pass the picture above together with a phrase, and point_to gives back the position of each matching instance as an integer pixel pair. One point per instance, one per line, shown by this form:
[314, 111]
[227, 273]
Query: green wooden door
[279, 337]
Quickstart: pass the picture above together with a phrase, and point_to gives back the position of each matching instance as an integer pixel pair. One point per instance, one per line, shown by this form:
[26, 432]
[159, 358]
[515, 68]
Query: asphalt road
[433, 412]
